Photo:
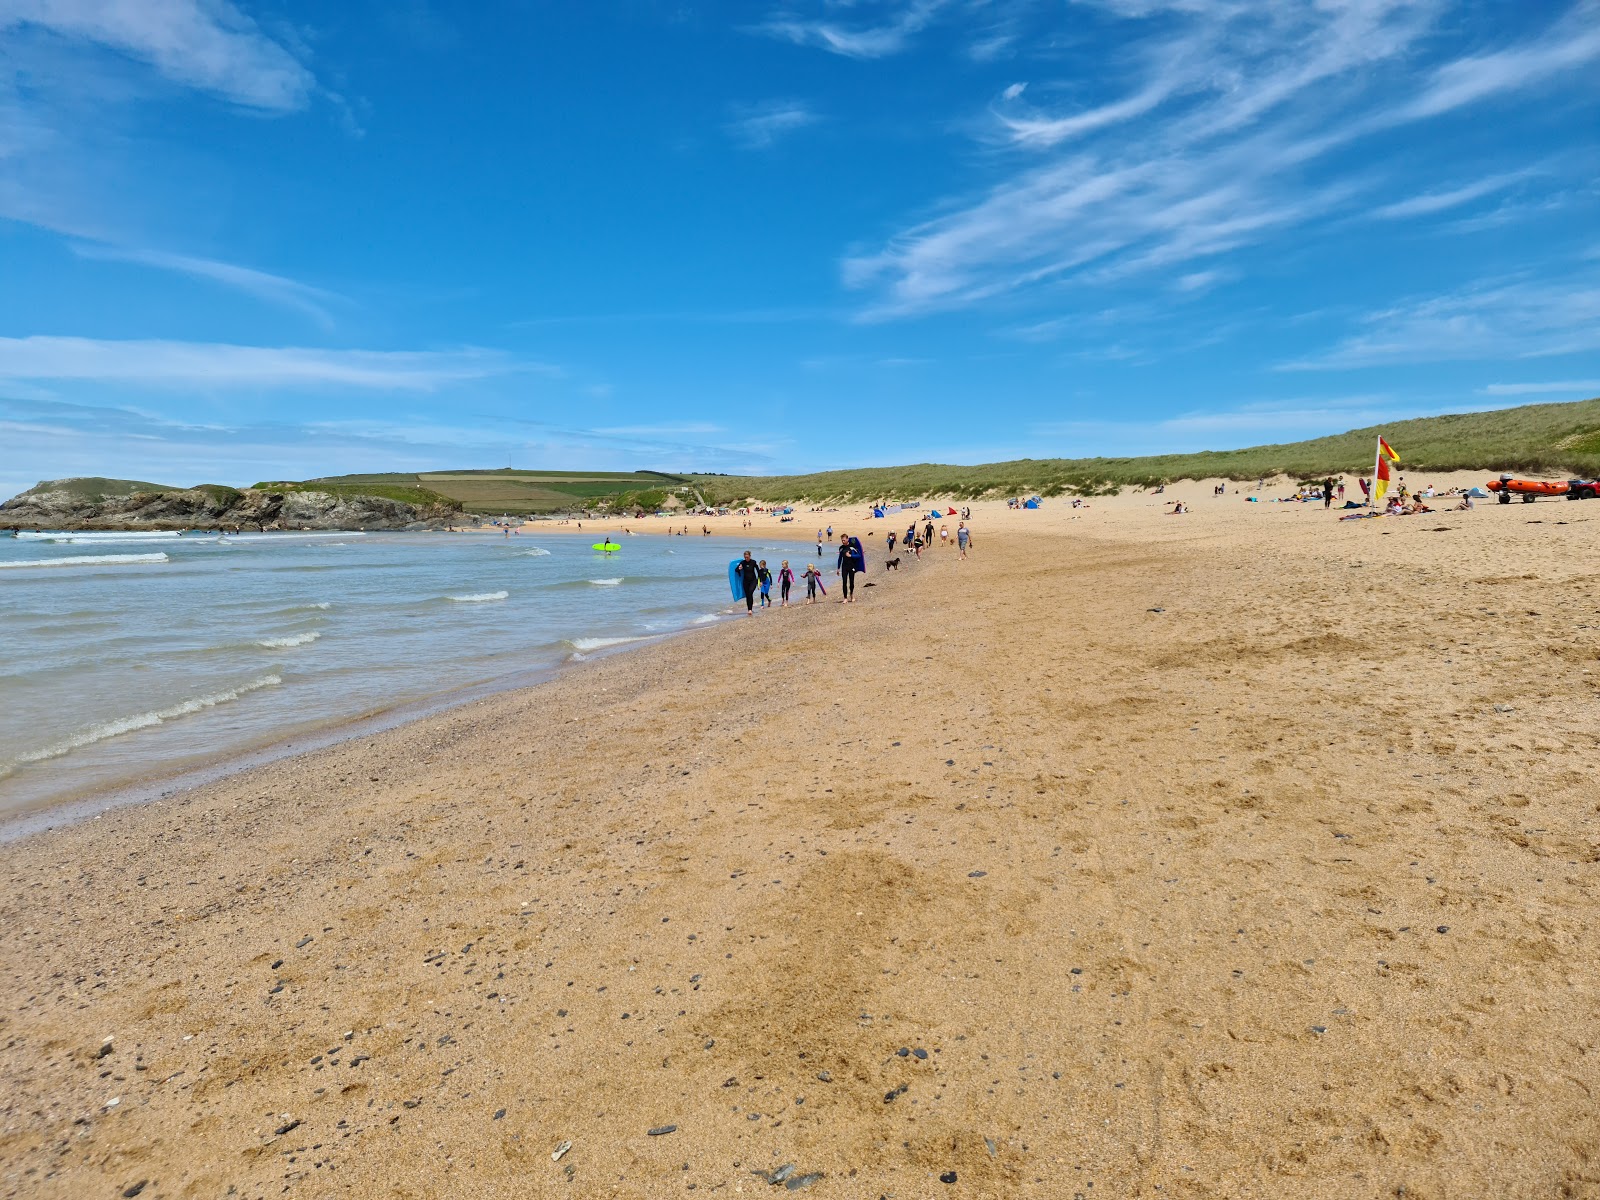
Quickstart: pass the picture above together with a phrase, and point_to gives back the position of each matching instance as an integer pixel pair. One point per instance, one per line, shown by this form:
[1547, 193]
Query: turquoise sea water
[128, 656]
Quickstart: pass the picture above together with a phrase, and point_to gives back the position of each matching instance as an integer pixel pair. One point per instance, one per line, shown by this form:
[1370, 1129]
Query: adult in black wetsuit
[850, 562]
[749, 579]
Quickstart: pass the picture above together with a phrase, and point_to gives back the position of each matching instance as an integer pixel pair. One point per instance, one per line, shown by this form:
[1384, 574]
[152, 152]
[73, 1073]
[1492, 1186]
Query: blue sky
[262, 240]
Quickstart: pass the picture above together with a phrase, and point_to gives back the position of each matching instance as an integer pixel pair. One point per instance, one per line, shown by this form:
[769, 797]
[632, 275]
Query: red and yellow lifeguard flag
[1381, 485]
[1381, 474]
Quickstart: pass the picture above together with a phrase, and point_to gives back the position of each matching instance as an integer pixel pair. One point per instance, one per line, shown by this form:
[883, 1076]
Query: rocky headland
[68, 504]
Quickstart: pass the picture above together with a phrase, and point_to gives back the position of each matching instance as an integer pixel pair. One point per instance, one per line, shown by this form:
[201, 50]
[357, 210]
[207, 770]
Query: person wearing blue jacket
[852, 559]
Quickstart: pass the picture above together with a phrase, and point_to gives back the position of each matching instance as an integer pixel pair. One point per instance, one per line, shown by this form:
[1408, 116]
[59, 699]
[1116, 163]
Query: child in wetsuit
[785, 582]
[766, 584]
[813, 577]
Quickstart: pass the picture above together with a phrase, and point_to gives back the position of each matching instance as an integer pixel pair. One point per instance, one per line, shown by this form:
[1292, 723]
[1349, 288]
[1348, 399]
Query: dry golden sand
[1242, 854]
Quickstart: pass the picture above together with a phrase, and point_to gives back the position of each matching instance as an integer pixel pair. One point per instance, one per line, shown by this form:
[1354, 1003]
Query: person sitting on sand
[1178, 509]
[1466, 502]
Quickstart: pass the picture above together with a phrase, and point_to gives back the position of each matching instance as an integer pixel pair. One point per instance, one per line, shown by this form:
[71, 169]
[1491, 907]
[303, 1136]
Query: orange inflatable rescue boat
[1532, 489]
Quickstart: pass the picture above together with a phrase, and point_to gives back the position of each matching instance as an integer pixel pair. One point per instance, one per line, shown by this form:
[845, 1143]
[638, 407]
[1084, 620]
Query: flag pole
[1377, 457]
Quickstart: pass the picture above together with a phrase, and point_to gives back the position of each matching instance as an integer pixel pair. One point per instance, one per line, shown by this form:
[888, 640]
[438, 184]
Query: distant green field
[406, 493]
[508, 490]
[1533, 438]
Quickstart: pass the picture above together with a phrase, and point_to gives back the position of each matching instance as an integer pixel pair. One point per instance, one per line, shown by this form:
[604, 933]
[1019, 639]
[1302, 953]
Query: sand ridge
[1247, 854]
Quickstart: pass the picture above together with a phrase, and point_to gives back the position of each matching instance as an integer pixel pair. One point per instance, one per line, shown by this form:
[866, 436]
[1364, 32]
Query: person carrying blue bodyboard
[852, 559]
[749, 575]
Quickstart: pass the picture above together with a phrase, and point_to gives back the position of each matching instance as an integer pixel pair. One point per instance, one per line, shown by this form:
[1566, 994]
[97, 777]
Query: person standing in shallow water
[749, 577]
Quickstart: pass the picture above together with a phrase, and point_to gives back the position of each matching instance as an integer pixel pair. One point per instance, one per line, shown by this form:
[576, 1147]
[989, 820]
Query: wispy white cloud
[219, 365]
[1201, 281]
[1573, 42]
[670, 429]
[891, 34]
[758, 126]
[52, 439]
[1517, 319]
[1260, 422]
[205, 44]
[1428, 203]
[1250, 424]
[275, 289]
[1219, 132]
[1564, 387]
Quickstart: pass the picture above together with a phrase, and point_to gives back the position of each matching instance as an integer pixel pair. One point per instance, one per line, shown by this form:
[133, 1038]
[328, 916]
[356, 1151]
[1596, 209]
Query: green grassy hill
[501, 491]
[1533, 438]
[96, 488]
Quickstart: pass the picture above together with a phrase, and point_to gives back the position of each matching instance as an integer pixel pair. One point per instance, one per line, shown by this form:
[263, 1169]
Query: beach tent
[1477, 493]
[877, 512]
[1031, 504]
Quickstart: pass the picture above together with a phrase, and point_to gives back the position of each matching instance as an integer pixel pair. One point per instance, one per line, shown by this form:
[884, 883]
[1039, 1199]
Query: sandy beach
[1241, 853]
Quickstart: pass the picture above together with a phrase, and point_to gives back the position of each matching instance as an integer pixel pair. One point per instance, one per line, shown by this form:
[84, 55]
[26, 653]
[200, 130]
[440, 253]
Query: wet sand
[1240, 854]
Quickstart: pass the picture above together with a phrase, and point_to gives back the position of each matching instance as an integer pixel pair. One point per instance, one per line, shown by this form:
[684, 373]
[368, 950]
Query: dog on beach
[891, 564]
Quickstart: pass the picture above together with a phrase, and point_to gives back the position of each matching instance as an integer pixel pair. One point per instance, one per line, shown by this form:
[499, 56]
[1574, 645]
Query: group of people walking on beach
[755, 578]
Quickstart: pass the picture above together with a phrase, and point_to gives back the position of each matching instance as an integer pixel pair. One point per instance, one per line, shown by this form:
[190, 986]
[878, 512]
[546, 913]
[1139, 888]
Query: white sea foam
[706, 620]
[600, 643]
[109, 535]
[294, 639]
[89, 560]
[606, 582]
[291, 537]
[121, 539]
[300, 607]
[535, 553]
[479, 597]
[144, 720]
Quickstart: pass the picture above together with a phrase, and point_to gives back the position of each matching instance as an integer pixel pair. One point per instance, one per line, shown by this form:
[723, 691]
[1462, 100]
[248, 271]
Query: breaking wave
[479, 597]
[90, 560]
[293, 639]
[144, 720]
[600, 643]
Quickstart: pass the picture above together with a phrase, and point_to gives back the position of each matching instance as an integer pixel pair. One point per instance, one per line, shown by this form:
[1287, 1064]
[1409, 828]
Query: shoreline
[59, 812]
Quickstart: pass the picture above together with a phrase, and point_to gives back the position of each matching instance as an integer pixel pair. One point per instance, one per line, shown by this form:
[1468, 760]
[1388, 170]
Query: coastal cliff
[103, 504]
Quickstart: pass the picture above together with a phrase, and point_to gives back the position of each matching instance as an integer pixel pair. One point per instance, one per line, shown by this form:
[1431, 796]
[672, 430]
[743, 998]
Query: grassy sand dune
[1536, 437]
[1248, 853]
